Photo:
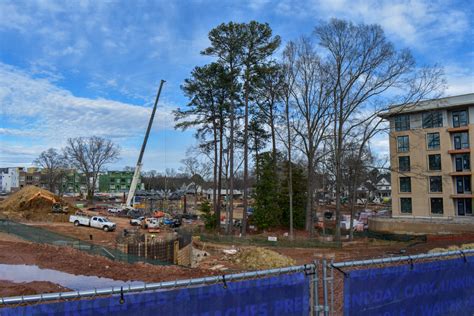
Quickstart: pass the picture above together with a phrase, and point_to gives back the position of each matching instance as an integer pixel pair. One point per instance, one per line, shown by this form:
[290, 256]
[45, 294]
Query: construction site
[35, 231]
[300, 158]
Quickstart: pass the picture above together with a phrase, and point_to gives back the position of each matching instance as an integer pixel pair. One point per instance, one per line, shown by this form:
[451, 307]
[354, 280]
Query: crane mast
[138, 168]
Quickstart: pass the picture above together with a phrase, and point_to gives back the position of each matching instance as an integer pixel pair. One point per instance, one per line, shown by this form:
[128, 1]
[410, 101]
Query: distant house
[383, 186]
[210, 193]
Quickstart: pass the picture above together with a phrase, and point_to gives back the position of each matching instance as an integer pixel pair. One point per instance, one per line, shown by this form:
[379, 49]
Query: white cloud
[460, 80]
[51, 114]
[415, 22]
[13, 18]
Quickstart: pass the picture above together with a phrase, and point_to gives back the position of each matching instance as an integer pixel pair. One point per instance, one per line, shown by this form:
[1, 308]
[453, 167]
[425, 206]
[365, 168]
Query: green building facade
[117, 181]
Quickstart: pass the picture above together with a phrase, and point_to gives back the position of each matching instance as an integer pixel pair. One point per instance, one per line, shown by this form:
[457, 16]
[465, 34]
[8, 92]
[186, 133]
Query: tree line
[268, 113]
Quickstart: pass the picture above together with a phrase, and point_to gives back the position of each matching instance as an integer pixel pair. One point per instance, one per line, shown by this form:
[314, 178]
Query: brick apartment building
[431, 144]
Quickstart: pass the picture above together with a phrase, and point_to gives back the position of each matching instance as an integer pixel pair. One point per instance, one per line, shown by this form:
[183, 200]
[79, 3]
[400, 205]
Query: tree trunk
[231, 172]
[246, 163]
[309, 199]
[290, 169]
[219, 188]
[353, 202]
[273, 134]
[337, 233]
[214, 185]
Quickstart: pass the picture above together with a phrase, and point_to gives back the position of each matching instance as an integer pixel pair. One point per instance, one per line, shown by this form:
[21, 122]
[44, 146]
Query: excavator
[56, 206]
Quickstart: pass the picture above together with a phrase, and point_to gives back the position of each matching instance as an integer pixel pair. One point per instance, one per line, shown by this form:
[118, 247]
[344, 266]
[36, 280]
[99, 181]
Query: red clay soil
[77, 262]
[8, 288]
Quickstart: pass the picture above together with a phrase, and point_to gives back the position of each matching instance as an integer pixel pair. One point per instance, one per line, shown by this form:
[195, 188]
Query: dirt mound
[256, 258]
[33, 203]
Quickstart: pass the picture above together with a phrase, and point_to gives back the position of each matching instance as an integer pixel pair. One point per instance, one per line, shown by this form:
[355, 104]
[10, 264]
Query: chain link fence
[43, 236]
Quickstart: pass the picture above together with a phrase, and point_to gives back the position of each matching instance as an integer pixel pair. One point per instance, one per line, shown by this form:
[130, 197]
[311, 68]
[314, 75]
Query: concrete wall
[418, 226]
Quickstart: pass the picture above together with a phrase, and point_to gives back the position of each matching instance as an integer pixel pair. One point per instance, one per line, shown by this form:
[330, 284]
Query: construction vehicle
[136, 175]
[56, 207]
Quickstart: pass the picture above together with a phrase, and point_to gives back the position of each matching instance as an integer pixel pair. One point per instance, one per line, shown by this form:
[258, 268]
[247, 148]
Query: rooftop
[428, 105]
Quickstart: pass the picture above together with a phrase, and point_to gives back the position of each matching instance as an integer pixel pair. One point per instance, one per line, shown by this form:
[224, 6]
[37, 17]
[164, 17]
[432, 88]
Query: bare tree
[53, 164]
[311, 98]
[90, 155]
[363, 67]
[197, 172]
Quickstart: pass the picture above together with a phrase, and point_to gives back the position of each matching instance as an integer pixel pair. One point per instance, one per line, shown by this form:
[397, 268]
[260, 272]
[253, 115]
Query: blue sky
[82, 68]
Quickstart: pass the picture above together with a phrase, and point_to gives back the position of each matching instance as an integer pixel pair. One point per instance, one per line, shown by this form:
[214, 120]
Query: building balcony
[462, 196]
[458, 129]
[461, 173]
[459, 151]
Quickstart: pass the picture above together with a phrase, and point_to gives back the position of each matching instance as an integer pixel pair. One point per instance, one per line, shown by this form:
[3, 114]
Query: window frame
[464, 162]
[429, 143]
[463, 144]
[407, 143]
[431, 205]
[428, 119]
[406, 185]
[429, 162]
[407, 166]
[463, 183]
[431, 183]
[402, 204]
[459, 123]
[402, 122]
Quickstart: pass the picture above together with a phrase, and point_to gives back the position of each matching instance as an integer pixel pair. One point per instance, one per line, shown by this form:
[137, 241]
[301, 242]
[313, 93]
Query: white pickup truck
[94, 221]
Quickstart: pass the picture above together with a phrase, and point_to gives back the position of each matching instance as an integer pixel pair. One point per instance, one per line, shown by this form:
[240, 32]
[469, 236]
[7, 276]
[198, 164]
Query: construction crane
[138, 168]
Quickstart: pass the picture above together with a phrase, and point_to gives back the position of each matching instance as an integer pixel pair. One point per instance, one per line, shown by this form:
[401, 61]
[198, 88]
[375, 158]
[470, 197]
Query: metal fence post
[315, 289]
[325, 289]
[332, 287]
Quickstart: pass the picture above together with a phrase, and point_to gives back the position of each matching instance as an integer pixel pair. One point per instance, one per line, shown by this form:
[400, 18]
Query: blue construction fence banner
[444, 287]
[286, 294]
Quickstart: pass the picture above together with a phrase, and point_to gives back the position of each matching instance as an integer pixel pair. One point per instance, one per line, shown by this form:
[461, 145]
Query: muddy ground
[77, 262]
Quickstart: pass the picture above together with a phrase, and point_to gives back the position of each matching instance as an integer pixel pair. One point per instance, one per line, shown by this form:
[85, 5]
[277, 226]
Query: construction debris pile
[35, 204]
[256, 258]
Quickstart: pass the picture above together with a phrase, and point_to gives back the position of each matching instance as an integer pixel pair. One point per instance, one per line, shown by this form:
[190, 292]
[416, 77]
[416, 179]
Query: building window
[405, 205]
[405, 184]
[464, 207]
[461, 140]
[462, 162]
[404, 163]
[460, 118]
[432, 119]
[434, 162]
[432, 139]
[436, 184]
[436, 206]
[402, 122]
[403, 143]
[463, 184]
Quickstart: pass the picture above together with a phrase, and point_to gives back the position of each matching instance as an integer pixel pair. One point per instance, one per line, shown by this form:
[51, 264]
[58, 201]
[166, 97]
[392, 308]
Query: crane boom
[138, 168]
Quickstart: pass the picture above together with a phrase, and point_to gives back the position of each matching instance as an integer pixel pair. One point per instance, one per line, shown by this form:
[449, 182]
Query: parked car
[95, 221]
[114, 210]
[172, 222]
[137, 221]
[150, 222]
